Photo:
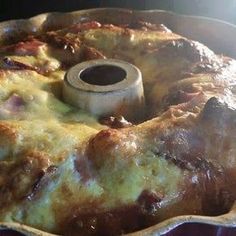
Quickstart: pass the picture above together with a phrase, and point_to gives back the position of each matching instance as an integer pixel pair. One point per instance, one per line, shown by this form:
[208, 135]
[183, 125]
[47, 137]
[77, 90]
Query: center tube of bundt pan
[106, 87]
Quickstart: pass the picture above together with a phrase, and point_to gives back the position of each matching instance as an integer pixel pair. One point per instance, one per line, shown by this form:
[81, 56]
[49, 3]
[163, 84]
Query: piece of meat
[115, 122]
[69, 49]
[16, 65]
[44, 177]
[90, 53]
[77, 28]
[27, 48]
[17, 179]
[12, 106]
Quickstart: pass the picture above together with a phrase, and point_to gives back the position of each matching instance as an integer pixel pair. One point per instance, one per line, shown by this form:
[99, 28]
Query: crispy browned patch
[8, 136]
[72, 44]
[18, 178]
[111, 145]
[203, 149]
[7, 130]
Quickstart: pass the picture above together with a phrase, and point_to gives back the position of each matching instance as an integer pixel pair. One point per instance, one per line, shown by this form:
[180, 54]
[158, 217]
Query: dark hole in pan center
[103, 75]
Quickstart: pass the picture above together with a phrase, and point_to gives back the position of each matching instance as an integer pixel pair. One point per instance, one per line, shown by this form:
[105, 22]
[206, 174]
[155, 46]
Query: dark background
[221, 9]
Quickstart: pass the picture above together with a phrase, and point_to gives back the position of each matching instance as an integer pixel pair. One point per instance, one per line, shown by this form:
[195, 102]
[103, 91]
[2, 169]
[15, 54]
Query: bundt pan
[217, 35]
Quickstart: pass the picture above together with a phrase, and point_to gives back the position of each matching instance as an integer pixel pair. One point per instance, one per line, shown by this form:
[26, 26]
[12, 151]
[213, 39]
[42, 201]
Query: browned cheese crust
[64, 172]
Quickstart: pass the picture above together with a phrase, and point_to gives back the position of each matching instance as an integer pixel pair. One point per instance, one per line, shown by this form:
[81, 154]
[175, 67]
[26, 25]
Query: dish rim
[36, 24]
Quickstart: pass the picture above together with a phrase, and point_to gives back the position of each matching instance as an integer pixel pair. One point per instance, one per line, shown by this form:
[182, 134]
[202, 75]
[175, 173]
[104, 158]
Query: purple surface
[10, 233]
[197, 229]
[189, 229]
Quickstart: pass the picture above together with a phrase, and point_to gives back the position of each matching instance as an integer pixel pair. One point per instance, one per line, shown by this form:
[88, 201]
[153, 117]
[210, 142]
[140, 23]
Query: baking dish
[216, 34]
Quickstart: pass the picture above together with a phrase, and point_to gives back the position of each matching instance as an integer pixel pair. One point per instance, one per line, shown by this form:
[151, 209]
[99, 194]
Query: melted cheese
[41, 59]
[42, 123]
[46, 130]
[110, 39]
[146, 171]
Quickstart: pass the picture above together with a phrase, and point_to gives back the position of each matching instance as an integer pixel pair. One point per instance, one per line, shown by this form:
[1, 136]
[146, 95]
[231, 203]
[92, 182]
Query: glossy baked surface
[61, 174]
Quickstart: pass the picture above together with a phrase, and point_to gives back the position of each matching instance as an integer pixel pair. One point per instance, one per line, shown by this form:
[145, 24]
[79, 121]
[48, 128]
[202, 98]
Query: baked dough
[64, 172]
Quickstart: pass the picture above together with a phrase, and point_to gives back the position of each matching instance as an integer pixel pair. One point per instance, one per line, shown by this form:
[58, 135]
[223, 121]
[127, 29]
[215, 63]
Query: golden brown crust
[106, 181]
[8, 136]
[17, 178]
